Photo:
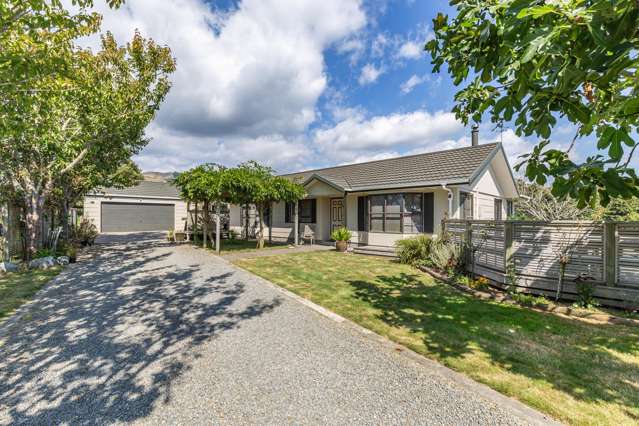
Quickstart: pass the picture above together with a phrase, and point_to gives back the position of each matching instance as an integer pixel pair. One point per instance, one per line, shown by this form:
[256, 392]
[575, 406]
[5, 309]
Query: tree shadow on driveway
[106, 341]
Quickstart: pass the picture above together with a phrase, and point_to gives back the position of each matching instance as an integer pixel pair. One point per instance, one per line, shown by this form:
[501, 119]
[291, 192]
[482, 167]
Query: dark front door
[337, 213]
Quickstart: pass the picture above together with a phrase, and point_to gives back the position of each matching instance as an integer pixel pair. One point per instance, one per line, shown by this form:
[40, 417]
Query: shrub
[341, 234]
[529, 299]
[43, 252]
[585, 292]
[85, 232]
[445, 255]
[413, 250]
[480, 283]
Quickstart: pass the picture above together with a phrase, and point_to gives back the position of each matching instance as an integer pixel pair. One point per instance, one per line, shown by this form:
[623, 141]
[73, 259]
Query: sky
[299, 84]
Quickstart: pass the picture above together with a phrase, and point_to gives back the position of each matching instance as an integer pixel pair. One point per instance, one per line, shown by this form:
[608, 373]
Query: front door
[337, 213]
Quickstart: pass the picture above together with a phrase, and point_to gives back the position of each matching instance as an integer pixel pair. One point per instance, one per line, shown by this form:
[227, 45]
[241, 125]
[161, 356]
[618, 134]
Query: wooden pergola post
[297, 223]
[217, 227]
[270, 224]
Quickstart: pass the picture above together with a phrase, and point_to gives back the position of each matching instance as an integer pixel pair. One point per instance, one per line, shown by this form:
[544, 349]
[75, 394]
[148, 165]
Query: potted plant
[341, 236]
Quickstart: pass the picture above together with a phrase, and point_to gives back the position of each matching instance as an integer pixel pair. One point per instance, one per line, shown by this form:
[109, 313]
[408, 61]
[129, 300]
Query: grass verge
[17, 288]
[576, 372]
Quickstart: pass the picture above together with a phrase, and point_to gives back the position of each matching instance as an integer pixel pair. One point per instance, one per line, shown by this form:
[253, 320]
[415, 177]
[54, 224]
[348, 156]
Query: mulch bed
[552, 307]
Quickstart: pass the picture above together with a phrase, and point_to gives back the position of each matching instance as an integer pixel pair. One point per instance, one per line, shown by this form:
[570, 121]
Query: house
[385, 200]
[148, 206]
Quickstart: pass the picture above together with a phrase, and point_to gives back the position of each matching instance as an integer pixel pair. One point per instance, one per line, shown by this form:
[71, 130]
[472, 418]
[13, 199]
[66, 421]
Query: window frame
[464, 197]
[402, 212]
[290, 213]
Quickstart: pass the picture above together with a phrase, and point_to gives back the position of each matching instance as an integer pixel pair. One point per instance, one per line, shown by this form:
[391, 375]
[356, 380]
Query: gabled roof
[453, 166]
[146, 189]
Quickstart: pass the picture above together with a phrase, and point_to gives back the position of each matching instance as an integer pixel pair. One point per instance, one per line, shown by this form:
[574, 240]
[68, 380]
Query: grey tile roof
[431, 168]
[146, 189]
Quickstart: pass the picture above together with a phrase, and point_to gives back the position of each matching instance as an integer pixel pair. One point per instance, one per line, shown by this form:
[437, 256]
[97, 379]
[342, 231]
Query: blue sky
[300, 84]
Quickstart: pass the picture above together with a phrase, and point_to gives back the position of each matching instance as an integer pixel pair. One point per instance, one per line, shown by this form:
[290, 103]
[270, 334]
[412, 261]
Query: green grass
[19, 287]
[237, 246]
[576, 372]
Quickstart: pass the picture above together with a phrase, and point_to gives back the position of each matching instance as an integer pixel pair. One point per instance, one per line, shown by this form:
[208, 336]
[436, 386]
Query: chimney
[475, 135]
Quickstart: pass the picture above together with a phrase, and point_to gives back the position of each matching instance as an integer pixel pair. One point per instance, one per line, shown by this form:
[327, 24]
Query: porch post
[217, 227]
[297, 224]
[270, 223]
[344, 212]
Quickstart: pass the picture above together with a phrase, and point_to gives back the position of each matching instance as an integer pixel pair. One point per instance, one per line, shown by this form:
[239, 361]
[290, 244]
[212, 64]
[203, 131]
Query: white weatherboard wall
[485, 190]
[93, 207]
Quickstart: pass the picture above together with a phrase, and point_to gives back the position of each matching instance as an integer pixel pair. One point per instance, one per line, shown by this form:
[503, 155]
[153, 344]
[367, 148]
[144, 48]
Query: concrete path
[143, 332]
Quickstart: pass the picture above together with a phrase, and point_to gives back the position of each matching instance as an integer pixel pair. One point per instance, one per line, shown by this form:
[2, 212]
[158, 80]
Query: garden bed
[536, 303]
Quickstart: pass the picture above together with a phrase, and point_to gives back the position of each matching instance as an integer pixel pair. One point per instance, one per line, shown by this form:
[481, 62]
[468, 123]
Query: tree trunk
[260, 234]
[195, 225]
[34, 202]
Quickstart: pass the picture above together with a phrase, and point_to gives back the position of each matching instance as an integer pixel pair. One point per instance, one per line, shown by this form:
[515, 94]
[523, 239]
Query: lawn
[19, 287]
[576, 372]
[235, 246]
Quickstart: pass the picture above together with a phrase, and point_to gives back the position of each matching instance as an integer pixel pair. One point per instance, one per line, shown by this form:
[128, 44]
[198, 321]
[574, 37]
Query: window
[498, 207]
[510, 209]
[466, 205]
[307, 211]
[396, 213]
[376, 215]
[413, 219]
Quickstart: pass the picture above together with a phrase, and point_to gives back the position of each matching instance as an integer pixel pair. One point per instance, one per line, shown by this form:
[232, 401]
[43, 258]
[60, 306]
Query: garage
[137, 217]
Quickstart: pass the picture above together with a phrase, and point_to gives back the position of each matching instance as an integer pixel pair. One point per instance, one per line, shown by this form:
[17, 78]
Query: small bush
[530, 300]
[85, 232]
[445, 255]
[585, 292]
[413, 250]
[341, 234]
[480, 283]
[43, 252]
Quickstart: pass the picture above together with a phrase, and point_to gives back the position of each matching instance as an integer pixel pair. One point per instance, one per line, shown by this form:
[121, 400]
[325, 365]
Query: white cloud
[410, 50]
[357, 135]
[251, 73]
[412, 82]
[370, 73]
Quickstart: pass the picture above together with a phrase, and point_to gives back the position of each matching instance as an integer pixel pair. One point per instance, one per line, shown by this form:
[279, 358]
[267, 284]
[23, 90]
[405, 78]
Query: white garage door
[137, 217]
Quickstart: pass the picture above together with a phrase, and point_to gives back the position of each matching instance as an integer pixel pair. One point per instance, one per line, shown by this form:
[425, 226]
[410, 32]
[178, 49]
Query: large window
[396, 213]
[307, 211]
[413, 220]
[466, 205]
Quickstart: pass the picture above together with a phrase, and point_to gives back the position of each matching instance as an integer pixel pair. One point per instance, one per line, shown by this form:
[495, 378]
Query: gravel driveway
[149, 333]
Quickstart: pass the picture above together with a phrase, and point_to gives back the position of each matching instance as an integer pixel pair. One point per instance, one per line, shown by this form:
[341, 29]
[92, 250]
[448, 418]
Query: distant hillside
[159, 176]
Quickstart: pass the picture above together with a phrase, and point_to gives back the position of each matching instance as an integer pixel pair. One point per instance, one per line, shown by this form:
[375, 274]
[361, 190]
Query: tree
[202, 184]
[95, 114]
[532, 62]
[253, 183]
[618, 210]
[536, 202]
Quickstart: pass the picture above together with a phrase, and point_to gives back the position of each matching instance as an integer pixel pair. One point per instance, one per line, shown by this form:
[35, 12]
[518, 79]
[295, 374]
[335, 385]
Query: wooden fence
[606, 253]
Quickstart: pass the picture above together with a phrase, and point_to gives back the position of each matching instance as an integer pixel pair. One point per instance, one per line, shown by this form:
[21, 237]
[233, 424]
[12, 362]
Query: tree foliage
[536, 202]
[253, 183]
[532, 62]
[66, 111]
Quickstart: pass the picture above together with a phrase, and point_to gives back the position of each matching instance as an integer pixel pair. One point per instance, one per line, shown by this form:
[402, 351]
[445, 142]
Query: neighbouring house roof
[146, 189]
[453, 166]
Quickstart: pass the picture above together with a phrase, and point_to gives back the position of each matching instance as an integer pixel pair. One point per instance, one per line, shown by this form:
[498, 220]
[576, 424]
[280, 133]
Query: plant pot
[341, 246]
